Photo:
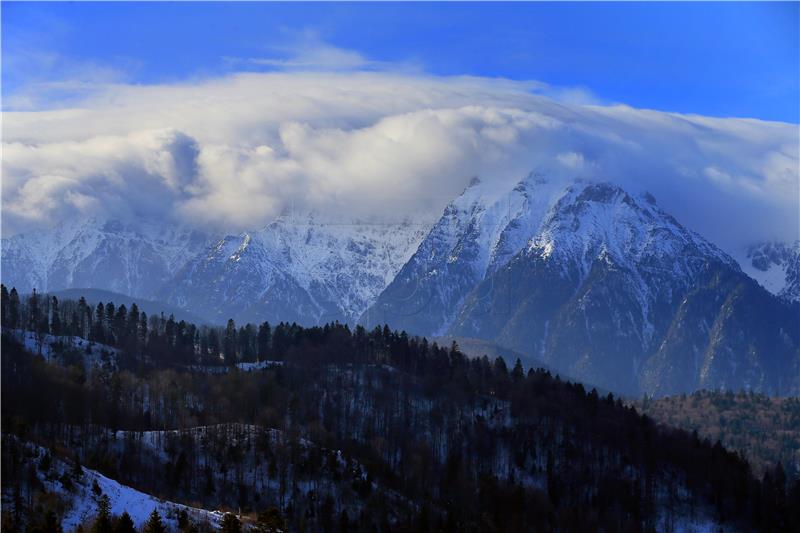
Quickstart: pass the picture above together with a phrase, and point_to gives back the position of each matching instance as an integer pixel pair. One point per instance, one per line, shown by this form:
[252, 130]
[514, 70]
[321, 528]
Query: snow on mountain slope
[349, 263]
[589, 278]
[296, 269]
[478, 233]
[133, 258]
[504, 265]
[776, 266]
[659, 257]
[482, 230]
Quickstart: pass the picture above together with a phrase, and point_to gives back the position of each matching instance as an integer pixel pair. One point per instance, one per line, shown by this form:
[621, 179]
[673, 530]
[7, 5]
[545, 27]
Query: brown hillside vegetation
[766, 430]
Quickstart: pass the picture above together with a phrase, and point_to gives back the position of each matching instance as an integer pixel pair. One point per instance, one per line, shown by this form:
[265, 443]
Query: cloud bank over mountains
[234, 152]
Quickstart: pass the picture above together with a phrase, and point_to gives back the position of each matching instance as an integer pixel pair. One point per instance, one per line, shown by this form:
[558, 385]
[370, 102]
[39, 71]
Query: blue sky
[716, 59]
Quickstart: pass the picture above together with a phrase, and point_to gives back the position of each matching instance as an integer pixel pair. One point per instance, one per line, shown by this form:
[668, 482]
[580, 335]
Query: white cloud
[306, 51]
[235, 151]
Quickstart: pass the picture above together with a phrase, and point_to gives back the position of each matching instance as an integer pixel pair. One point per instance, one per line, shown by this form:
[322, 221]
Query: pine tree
[55, 320]
[229, 344]
[270, 521]
[125, 524]
[121, 325]
[98, 328]
[213, 345]
[75, 325]
[154, 523]
[13, 308]
[183, 519]
[77, 470]
[143, 330]
[4, 307]
[132, 328]
[108, 324]
[84, 317]
[230, 524]
[264, 338]
[102, 524]
[49, 524]
[518, 374]
[33, 312]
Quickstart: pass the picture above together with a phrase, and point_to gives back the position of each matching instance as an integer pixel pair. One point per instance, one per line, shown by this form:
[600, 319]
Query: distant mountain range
[595, 282]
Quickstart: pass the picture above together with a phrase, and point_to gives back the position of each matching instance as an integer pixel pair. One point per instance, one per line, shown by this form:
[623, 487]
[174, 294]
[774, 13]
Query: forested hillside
[346, 430]
[766, 430]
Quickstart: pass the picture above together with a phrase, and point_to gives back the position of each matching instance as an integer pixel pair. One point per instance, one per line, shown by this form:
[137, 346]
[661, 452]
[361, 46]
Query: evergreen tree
[125, 524]
[247, 346]
[143, 330]
[49, 524]
[203, 348]
[132, 328]
[344, 522]
[213, 345]
[183, 519]
[102, 523]
[84, 317]
[229, 344]
[108, 323]
[98, 328]
[55, 320]
[34, 318]
[169, 331]
[270, 521]
[13, 308]
[264, 339]
[454, 347]
[121, 325]
[77, 470]
[230, 524]
[518, 374]
[5, 304]
[154, 523]
[74, 327]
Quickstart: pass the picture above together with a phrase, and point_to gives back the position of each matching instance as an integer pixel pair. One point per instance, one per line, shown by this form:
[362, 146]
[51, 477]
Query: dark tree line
[162, 339]
[465, 444]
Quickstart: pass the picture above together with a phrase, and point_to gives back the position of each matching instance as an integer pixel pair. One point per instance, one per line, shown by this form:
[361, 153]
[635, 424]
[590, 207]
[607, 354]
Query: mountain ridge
[593, 281]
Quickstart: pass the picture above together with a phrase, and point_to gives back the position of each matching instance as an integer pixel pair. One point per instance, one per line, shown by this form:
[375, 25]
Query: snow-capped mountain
[600, 284]
[592, 280]
[126, 257]
[776, 266]
[296, 269]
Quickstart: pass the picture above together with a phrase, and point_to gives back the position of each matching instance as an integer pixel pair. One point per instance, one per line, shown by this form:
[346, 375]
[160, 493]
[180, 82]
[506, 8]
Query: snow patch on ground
[46, 345]
[81, 498]
[260, 365]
